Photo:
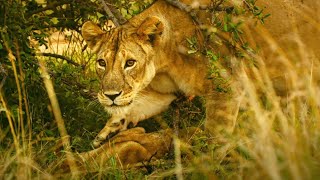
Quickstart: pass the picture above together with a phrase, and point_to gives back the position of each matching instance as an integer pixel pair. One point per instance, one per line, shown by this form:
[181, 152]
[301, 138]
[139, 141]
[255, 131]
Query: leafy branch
[68, 60]
[53, 5]
[255, 10]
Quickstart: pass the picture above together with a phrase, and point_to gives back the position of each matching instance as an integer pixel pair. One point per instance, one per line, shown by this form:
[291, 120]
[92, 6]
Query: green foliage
[225, 31]
[22, 24]
[193, 45]
[130, 8]
[256, 10]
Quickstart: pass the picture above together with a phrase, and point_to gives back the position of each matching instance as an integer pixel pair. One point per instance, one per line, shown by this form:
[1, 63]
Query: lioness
[142, 63]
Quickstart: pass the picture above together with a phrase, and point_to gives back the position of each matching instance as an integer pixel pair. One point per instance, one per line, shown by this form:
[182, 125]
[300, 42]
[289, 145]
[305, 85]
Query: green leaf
[130, 12]
[192, 51]
[41, 1]
[48, 12]
[49, 132]
[232, 25]
[214, 57]
[54, 20]
[99, 15]
[209, 53]
[267, 15]
[1, 47]
[135, 7]
[128, 16]
[189, 41]
[123, 11]
[225, 27]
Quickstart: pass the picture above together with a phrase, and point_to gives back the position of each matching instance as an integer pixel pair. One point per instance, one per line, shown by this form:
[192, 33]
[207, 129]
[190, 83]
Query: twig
[179, 5]
[109, 13]
[89, 94]
[176, 121]
[5, 75]
[147, 166]
[68, 60]
[118, 15]
[177, 155]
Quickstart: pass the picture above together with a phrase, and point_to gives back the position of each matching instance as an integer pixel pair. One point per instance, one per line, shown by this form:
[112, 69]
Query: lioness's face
[124, 64]
[124, 68]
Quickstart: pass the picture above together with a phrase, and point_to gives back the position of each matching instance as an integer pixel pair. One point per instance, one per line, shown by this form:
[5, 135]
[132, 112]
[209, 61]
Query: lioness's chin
[118, 109]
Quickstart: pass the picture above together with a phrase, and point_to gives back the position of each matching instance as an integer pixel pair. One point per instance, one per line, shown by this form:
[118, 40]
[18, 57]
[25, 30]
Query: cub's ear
[91, 33]
[151, 29]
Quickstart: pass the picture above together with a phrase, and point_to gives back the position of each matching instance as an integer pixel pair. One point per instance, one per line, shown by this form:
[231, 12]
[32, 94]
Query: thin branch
[68, 60]
[118, 15]
[82, 89]
[185, 8]
[179, 5]
[110, 14]
[5, 75]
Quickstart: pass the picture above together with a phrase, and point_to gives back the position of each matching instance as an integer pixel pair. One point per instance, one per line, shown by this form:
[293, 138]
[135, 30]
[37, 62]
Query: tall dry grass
[277, 134]
[283, 134]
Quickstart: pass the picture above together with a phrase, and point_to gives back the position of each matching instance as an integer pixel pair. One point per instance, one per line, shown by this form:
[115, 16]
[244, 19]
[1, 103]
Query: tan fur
[131, 148]
[154, 39]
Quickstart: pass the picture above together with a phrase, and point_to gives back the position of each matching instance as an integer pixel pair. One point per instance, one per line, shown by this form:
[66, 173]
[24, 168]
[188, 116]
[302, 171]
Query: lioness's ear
[151, 29]
[91, 33]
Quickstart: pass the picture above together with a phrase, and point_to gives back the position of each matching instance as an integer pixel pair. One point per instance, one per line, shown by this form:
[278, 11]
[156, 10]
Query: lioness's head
[125, 60]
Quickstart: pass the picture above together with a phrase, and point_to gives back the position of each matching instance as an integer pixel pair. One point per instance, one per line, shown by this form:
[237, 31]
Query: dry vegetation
[276, 137]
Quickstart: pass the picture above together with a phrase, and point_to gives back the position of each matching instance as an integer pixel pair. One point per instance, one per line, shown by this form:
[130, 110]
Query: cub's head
[125, 60]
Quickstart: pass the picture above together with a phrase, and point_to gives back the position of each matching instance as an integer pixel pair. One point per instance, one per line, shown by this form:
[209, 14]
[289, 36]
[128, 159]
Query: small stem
[4, 76]
[177, 155]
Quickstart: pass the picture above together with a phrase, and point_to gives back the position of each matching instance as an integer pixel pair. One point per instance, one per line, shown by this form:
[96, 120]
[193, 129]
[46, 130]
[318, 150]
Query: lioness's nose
[112, 96]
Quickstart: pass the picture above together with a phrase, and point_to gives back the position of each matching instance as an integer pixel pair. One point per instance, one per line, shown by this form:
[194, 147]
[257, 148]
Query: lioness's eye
[130, 63]
[101, 62]
[115, 124]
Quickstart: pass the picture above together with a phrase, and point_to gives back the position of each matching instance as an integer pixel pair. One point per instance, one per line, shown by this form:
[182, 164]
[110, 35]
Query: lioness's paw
[113, 126]
[98, 141]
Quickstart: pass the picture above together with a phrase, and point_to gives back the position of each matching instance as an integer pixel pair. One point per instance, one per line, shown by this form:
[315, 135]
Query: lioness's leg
[114, 124]
[222, 109]
[147, 104]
